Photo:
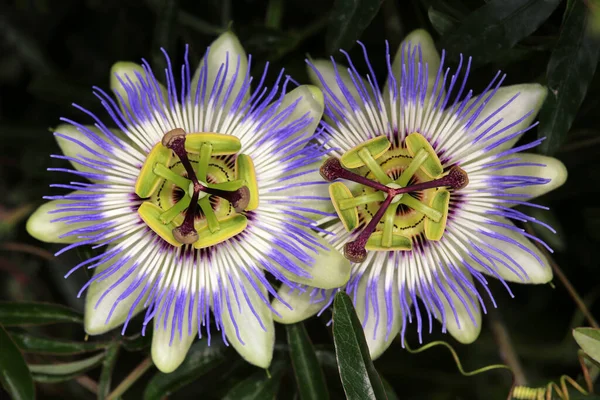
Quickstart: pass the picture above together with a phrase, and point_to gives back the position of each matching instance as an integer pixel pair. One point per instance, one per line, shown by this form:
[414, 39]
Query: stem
[585, 370]
[562, 277]
[88, 383]
[505, 347]
[131, 379]
[274, 14]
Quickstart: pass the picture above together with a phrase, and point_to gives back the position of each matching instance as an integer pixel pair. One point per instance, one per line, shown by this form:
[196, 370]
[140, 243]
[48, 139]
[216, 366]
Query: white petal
[96, 314]
[329, 271]
[40, 227]
[251, 340]
[225, 49]
[379, 337]
[554, 170]
[429, 54]
[72, 149]
[537, 269]
[169, 348]
[299, 186]
[129, 73]
[530, 97]
[310, 102]
[328, 75]
[302, 305]
[463, 322]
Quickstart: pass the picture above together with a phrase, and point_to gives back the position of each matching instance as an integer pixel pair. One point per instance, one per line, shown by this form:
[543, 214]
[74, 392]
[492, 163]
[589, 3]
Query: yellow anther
[432, 165]
[244, 171]
[349, 216]
[229, 227]
[376, 146]
[398, 242]
[147, 181]
[434, 230]
[222, 144]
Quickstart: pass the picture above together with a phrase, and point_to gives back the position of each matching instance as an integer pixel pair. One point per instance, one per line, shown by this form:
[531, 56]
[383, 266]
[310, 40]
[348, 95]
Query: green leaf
[359, 377]
[108, 364]
[15, 314]
[201, 358]
[309, 376]
[589, 341]
[258, 386]
[497, 25]
[43, 345]
[138, 341]
[50, 373]
[570, 71]
[441, 22]
[348, 20]
[389, 390]
[14, 375]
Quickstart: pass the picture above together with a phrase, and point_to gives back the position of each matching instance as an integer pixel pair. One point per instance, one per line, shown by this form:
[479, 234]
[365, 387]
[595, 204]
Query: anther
[355, 250]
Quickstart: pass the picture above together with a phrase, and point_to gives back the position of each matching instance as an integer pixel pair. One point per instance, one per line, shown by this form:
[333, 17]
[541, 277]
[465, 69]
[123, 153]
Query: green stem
[565, 281]
[131, 379]
[274, 14]
[108, 365]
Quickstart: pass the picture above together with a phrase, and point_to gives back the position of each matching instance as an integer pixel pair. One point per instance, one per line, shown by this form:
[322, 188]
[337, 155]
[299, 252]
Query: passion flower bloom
[197, 195]
[425, 180]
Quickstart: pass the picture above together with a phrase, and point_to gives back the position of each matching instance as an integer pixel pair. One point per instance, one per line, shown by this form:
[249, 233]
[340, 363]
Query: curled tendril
[520, 392]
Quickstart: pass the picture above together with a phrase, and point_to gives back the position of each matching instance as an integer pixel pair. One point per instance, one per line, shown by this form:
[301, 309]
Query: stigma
[169, 164]
[366, 165]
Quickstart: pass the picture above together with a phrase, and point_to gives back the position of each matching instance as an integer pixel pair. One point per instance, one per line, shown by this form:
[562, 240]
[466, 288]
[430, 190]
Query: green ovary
[416, 213]
[168, 192]
[407, 221]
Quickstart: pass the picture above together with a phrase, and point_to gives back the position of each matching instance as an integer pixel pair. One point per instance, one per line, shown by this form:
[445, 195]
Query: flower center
[401, 192]
[197, 188]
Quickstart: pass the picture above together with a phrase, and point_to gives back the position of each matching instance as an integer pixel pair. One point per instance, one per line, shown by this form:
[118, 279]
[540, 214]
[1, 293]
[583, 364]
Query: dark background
[53, 51]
